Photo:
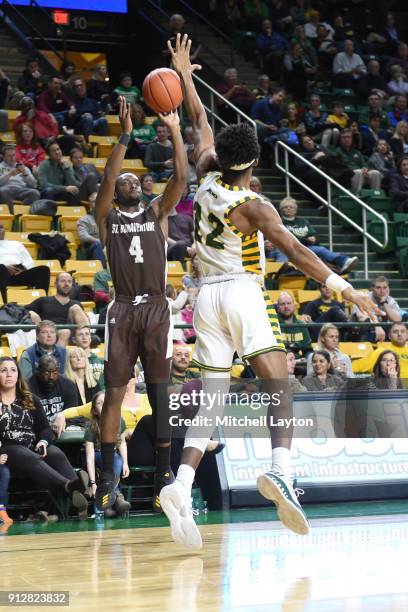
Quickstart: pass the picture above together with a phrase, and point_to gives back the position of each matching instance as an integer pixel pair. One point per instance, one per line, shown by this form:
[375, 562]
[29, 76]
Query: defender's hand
[180, 56]
[171, 120]
[124, 116]
[363, 302]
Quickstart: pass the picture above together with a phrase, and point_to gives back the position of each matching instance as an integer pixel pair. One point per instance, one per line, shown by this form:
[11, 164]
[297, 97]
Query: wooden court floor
[346, 564]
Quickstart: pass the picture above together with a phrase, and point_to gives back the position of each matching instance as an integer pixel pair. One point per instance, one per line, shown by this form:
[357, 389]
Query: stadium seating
[24, 296]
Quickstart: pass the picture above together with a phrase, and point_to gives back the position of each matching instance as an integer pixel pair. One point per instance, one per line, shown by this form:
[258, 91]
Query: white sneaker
[275, 487]
[350, 261]
[176, 504]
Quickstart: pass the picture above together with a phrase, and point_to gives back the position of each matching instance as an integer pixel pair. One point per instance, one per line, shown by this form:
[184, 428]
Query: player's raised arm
[203, 135]
[175, 187]
[103, 203]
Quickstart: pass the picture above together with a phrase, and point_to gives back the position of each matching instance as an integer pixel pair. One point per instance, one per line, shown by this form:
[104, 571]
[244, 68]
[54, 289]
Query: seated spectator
[399, 186]
[328, 341]
[4, 483]
[78, 370]
[298, 70]
[87, 175]
[325, 309]
[159, 155]
[357, 163]
[60, 308]
[141, 135]
[176, 26]
[94, 456]
[264, 88]
[306, 234]
[383, 160]
[186, 204]
[398, 85]
[373, 80]
[43, 124]
[17, 267]
[101, 286]
[296, 338]
[313, 22]
[323, 377]
[387, 371]
[55, 102]
[235, 92]
[307, 46]
[374, 107]
[294, 385]
[270, 47]
[88, 233]
[68, 74]
[316, 120]
[398, 335]
[147, 183]
[181, 236]
[82, 337]
[255, 12]
[401, 58]
[27, 438]
[55, 392]
[56, 177]
[337, 120]
[348, 67]
[89, 118]
[32, 82]
[399, 112]
[29, 151]
[45, 345]
[130, 92]
[387, 38]
[341, 30]
[233, 16]
[371, 134]
[16, 180]
[98, 87]
[399, 141]
[325, 49]
[268, 113]
[189, 147]
[180, 372]
[380, 295]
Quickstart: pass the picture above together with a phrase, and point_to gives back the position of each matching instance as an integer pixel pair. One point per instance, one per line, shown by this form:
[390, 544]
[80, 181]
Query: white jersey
[221, 248]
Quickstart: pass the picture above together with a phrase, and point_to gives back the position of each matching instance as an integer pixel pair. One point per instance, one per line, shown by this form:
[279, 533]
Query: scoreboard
[104, 6]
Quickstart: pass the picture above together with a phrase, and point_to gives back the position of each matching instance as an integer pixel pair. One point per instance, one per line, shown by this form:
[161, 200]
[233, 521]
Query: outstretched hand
[363, 303]
[171, 120]
[180, 56]
[124, 116]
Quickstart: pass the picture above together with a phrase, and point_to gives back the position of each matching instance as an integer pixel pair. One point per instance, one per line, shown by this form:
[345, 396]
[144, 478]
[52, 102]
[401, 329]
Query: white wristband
[337, 283]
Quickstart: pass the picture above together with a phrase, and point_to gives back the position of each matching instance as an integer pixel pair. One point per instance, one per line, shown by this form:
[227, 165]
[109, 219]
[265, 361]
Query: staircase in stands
[12, 55]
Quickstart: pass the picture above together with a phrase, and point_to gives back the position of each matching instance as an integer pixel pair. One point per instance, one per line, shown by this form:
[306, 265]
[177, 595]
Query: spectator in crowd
[371, 134]
[255, 12]
[78, 369]
[398, 85]
[56, 177]
[235, 92]
[373, 80]
[89, 118]
[141, 135]
[348, 67]
[98, 87]
[16, 180]
[26, 439]
[387, 371]
[337, 120]
[325, 48]
[55, 392]
[82, 337]
[298, 12]
[93, 455]
[68, 74]
[159, 155]
[44, 124]
[325, 309]
[189, 147]
[298, 70]
[180, 371]
[31, 82]
[399, 186]
[401, 58]
[398, 336]
[54, 101]
[4, 90]
[382, 160]
[374, 107]
[307, 46]
[264, 87]
[233, 16]
[60, 308]
[380, 295]
[176, 26]
[399, 112]
[45, 345]
[316, 120]
[281, 15]
[181, 236]
[328, 341]
[147, 183]
[358, 163]
[399, 140]
[186, 204]
[18, 268]
[29, 151]
[294, 384]
[130, 92]
[102, 280]
[323, 377]
[270, 47]
[296, 338]
[304, 232]
[4, 483]
[268, 113]
[88, 233]
[87, 175]
[313, 23]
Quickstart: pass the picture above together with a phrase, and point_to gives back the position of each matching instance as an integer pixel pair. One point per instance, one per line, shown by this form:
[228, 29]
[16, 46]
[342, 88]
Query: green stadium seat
[402, 254]
[401, 224]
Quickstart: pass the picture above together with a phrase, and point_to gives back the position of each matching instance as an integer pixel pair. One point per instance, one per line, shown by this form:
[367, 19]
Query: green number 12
[217, 231]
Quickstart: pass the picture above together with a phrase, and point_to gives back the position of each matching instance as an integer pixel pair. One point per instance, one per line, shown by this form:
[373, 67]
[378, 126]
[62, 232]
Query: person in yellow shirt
[399, 344]
[336, 121]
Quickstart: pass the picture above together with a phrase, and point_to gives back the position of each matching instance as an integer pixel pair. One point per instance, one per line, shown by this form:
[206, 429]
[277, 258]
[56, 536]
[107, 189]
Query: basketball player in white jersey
[231, 311]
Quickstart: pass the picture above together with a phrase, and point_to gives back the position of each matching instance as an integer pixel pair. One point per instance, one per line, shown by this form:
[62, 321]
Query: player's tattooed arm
[103, 203]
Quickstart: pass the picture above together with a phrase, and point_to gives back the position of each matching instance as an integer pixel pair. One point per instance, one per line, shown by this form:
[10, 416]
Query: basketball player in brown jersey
[138, 322]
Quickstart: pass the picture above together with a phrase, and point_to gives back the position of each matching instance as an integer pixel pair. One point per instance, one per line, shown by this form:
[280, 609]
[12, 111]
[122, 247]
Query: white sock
[185, 475]
[281, 460]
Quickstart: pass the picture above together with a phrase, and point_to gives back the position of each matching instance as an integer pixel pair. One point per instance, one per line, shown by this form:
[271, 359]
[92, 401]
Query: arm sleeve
[83, 233]
[25, 366]
[43, 177]
[29, 179]
[35, 307]
[41, 105]
[26, 258]
[78, 411]
[70, 391]
[42, 428]
[70, 177]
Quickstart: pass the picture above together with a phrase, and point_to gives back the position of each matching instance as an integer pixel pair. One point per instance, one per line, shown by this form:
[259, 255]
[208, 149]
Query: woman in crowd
[26, 439]
[399, 140]
[94, 456]
[323, 377]
[387, 371]
[328, 341]
[294, 384]
[142, 133]
[29, 150]
[382, 160]
[79, 371]
[316, 120]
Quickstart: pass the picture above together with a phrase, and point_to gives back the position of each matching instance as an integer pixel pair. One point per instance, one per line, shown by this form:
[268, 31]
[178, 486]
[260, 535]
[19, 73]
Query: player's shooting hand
[171, 120]
[363, 302]
[124, 116]
[180, 56]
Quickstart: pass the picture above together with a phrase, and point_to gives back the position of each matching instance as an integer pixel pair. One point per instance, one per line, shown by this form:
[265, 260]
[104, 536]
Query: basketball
[162, 90]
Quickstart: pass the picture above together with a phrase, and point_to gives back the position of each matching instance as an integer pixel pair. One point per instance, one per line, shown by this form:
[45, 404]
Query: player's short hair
[235, 145]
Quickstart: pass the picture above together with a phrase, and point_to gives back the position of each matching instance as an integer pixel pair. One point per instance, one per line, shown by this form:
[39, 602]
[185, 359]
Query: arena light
[61, 17]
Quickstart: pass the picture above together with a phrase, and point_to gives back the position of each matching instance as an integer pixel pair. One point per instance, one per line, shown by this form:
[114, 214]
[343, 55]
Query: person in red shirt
[56, 102]
[43, 124]
[29, 151]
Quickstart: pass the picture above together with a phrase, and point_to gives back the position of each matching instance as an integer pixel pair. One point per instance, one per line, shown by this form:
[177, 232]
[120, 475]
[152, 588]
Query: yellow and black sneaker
[161, 480]
[105, 495]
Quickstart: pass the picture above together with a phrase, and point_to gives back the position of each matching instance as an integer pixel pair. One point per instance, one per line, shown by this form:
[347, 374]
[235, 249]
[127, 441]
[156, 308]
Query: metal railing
[330, 183]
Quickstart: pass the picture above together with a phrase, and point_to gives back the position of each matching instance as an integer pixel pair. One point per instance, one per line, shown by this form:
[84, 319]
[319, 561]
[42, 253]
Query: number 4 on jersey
[136, 250]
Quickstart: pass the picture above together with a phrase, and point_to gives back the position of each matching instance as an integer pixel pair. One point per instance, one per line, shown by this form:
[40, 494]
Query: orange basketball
[162, 90]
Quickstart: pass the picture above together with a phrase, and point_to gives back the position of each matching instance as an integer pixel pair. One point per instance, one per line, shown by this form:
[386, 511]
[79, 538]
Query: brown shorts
[131, 332]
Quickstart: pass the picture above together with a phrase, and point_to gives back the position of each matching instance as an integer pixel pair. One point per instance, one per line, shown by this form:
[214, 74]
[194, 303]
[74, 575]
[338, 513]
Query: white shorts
[234, 315]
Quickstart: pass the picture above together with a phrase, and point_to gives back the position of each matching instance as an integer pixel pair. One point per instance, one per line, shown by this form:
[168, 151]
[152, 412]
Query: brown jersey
[136, 251]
